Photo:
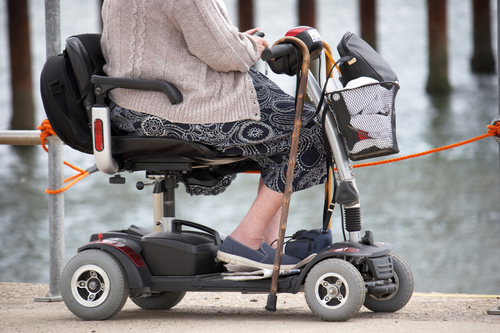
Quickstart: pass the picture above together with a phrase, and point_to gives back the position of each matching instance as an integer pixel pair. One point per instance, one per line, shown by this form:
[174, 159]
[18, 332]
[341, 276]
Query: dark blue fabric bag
[306, 242]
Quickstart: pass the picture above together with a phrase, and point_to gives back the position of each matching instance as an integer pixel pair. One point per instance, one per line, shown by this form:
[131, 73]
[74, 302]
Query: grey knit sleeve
[210, 36]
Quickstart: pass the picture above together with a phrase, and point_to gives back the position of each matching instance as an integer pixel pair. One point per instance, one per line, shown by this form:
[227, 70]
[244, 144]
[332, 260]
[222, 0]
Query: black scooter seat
[131, 146]
[153, 153]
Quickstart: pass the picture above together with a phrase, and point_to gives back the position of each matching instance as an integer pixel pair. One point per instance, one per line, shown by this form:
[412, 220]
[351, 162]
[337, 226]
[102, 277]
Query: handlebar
[277, 51]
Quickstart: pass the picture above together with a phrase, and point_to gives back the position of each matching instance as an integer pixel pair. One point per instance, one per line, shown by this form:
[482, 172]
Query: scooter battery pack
[180, 253]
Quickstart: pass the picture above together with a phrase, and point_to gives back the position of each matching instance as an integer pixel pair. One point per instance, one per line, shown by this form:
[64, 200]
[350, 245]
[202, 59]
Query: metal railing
[20, 138]
[496, 311]
[55, 163]
[56, 204]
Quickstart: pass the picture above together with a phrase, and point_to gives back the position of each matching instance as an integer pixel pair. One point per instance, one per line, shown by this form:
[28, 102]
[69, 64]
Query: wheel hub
[94, 285]
[332, 291]
[90, 285]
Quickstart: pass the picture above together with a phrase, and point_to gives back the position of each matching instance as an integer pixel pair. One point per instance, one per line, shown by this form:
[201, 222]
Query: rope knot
[46, 132]
[494, 131]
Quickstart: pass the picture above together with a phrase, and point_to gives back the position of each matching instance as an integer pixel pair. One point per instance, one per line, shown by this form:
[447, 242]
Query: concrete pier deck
[235, 312]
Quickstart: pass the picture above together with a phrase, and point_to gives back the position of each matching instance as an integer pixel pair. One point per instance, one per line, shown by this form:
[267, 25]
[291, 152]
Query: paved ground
[237, 313]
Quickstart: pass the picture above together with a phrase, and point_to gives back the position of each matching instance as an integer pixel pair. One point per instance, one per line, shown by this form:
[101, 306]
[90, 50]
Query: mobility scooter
[156, 267]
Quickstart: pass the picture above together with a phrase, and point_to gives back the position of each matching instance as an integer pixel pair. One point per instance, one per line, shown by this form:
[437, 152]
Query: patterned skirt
[266, 141]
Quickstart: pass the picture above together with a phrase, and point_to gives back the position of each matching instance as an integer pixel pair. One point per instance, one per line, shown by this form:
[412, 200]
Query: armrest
[102, 84]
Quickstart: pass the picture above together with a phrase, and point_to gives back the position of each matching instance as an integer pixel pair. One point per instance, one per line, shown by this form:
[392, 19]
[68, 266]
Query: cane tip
[271, 302]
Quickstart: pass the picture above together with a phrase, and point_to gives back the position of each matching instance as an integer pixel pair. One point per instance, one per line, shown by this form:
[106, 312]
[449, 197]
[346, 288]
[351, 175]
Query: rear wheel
[94, 285]
[392, 302]
[160, 301]
[334, 290]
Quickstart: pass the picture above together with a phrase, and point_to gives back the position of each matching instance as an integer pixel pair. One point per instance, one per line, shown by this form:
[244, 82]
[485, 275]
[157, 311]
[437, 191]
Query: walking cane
[299, 106]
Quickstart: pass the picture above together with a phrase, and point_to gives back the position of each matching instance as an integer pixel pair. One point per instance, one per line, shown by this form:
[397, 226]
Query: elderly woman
[227, 104]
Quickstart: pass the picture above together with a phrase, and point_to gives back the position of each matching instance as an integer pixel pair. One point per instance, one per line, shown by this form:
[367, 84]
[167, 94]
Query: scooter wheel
[160, 301]
[334, 290]
[392, 302]
[94, 285]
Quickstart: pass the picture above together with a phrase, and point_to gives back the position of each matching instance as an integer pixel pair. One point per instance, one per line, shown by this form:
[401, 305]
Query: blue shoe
[233, 252]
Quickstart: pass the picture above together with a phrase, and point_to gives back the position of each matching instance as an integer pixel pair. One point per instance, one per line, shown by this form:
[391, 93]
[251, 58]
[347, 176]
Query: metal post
[497, 310]
[56, 220]
[498, 64]
[52, 27]
[56, 162]
[498, 54]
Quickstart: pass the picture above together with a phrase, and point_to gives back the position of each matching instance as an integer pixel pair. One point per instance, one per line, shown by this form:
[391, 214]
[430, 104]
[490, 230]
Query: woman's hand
[261, 42]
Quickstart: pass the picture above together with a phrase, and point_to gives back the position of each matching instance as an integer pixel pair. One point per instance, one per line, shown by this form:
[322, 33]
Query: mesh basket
[366, 119]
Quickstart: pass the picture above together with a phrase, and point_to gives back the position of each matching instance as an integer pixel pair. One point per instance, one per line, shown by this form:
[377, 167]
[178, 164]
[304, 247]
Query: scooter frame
[349, 270]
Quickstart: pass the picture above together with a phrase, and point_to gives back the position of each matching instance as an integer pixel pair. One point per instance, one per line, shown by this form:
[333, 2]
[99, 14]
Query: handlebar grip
[277, 51]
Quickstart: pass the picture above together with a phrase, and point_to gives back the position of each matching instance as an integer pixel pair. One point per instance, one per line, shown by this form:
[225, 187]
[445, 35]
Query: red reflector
[98, 135]
[294, 32]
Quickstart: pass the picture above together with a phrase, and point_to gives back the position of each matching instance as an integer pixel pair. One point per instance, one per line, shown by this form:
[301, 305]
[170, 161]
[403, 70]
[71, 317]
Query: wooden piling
[246, 15]
[307, 13]
[437, 82]
[367, 16]
[23, 110]
[482, 59]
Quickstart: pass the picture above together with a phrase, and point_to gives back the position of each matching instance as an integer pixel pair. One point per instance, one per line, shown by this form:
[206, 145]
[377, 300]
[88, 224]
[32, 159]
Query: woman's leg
[258, 225]
[273, 229]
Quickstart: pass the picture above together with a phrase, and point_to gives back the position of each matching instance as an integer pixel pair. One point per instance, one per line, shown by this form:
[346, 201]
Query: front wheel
[392, 302]
[334, 290]
[94, 285]
[160, 301]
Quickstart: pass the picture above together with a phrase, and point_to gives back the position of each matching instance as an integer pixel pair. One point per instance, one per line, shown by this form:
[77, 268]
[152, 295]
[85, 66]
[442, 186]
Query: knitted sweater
[189, 43]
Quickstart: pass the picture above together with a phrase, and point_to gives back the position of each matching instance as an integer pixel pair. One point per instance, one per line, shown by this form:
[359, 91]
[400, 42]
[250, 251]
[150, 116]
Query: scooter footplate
[216, 282]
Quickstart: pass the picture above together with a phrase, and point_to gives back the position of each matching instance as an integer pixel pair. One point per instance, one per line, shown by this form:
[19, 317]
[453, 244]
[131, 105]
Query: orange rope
[492, 131]
[48, 131]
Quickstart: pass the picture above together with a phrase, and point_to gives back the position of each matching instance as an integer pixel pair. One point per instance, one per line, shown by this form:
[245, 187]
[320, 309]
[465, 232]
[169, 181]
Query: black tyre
[334, 290]
[392, 302]
[94, 285]
[160, 301]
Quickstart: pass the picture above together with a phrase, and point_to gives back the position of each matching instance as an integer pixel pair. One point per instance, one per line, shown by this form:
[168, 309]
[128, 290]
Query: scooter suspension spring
[352, 219]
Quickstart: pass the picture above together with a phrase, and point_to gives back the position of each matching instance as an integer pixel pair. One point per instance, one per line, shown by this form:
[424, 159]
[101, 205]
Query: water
[440, 211]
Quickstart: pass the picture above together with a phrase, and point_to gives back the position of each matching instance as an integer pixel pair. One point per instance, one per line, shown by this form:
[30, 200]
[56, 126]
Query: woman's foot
[233, 252]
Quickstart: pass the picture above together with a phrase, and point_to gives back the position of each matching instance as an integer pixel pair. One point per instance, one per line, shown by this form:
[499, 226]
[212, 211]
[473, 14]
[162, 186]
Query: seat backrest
[67, 91]
[85, 54]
